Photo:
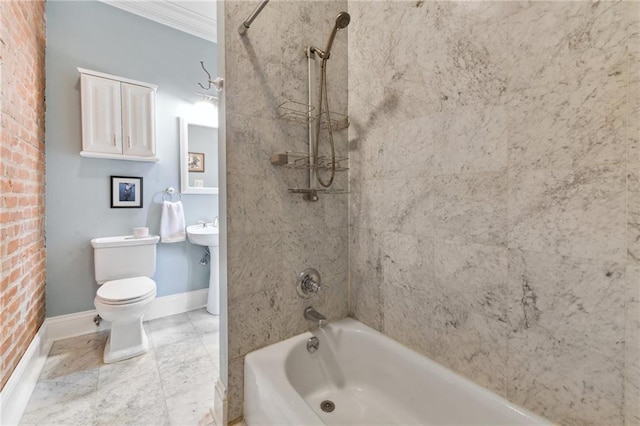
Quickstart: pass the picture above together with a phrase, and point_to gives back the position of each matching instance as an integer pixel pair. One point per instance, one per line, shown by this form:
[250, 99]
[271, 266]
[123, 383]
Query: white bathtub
[371, 379]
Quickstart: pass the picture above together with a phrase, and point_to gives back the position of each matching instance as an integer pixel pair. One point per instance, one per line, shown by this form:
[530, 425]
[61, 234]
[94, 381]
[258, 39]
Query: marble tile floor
[172, 384]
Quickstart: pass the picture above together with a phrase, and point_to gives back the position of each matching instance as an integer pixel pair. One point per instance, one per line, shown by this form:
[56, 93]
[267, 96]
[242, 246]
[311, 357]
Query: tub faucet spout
[315, 316]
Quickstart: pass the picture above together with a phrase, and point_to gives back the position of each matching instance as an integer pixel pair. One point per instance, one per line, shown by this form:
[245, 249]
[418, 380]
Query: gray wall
[99, 37]
[274, 235]
[495, 198]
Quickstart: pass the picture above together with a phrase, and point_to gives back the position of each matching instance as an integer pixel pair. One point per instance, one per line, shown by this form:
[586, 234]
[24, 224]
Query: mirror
[198, 157]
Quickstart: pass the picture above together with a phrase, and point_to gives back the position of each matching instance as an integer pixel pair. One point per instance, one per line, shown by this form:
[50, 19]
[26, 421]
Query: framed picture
[126, 192]
[195, 161]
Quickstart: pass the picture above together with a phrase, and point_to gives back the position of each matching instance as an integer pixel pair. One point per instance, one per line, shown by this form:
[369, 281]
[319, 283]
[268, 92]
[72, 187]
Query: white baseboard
[71, 325]
[176, 304]
[18, 389]
[16, 393]
[65, 326]
[220, 404]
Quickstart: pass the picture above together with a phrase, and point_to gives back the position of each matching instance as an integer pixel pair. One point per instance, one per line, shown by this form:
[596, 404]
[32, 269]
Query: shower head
[342, 20]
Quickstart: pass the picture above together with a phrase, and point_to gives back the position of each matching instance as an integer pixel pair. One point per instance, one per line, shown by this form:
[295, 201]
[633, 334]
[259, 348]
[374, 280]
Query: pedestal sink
[209, 236]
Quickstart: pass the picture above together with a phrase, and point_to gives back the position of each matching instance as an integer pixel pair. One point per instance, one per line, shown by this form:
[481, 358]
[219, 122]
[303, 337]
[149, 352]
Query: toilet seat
[126, 291]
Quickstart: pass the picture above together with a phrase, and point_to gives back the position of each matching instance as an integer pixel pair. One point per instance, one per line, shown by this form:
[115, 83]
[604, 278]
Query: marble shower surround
[274, 235]
[505, 136]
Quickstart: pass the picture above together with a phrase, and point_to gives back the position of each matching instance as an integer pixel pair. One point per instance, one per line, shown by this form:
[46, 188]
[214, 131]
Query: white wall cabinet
[118, 117]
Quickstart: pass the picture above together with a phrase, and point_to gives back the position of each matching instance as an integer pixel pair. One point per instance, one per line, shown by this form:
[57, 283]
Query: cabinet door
[101, 122]
[138, 120]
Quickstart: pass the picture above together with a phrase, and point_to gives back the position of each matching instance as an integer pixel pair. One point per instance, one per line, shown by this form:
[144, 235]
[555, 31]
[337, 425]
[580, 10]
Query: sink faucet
[315, 316]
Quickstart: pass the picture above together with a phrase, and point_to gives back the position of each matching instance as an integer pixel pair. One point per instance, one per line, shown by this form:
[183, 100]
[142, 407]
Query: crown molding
[171, 14]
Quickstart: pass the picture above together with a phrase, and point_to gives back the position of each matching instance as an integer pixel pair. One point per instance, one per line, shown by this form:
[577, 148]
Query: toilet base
[126, 340]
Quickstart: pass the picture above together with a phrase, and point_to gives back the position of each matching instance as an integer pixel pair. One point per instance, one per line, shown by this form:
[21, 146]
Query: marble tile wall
[495, 198]
[632, 294]
[274, 235]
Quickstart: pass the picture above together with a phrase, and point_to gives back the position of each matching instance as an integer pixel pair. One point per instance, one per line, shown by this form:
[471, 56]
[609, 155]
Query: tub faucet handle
[309, 283]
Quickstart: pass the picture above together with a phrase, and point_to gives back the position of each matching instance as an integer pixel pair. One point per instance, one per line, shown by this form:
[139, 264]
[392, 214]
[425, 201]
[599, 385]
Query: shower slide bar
[242, 29]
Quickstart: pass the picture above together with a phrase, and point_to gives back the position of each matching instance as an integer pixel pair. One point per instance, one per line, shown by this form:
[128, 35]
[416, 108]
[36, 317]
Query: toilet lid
[126, 289]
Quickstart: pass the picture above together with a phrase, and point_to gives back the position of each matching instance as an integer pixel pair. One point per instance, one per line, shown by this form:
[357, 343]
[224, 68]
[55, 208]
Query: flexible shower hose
[323, 92]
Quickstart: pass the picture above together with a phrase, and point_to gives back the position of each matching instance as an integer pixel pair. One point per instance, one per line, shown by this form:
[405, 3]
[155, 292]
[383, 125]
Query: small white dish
[141, 232]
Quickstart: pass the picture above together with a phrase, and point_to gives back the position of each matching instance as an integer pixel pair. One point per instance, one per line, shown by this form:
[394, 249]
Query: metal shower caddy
[304, 113]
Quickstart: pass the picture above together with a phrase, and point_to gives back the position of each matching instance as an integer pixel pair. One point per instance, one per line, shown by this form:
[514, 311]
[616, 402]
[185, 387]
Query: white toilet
[123, 267]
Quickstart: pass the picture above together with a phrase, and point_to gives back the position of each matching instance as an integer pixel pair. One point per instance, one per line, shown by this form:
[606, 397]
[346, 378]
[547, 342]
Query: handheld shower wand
[342, 20]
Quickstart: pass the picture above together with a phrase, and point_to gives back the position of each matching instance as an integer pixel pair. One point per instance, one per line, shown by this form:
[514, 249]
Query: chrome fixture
[215, 223]
[242, 29]
[206, 258]
[309, 283]
[207, 99]
[169, 193]
[316, 118]
[310, 194]
[342, 20]
[97, 320]
[217, 83]
[327, 406]
[315, 316]
[312, 344]
[305, 161]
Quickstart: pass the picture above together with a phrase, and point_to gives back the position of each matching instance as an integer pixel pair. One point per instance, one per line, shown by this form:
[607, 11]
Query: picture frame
[195, 162]
[126, 192]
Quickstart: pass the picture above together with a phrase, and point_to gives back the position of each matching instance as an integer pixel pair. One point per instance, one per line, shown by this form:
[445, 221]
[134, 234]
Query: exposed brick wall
[22, 174]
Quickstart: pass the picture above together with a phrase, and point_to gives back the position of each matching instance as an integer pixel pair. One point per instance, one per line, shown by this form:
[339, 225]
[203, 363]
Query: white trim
[222, 398]
[176, 304]
[71, 325]
[117, 78]
[91, 154]
[220, 404]
[15, 395]
[171, 14]
[184, 152]
[66, 326]
[18, 389]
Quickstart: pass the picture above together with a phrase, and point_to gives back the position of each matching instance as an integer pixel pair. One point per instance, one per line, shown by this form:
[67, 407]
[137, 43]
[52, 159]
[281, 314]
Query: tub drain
[327, 406]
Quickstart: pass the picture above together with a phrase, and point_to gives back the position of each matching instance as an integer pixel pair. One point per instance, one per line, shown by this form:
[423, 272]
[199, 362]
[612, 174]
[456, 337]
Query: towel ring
[170, 193]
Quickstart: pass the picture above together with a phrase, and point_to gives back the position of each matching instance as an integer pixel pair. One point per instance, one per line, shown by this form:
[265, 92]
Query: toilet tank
[124, 257]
